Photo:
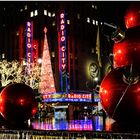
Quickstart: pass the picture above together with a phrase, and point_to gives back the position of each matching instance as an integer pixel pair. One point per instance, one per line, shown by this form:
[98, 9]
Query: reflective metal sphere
[17, 102]
[132, 16]
[127, 52]
[121, 99]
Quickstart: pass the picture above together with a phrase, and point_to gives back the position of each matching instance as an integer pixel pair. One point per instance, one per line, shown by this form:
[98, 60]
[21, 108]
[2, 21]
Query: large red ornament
[132, 16]
[17, 102]
[120, 96]
[127, 52]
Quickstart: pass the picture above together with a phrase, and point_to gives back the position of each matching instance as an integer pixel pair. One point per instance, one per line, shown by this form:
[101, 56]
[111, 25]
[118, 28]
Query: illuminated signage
[76, 125]
[29, 47]
[96, 97]
[80, 125]
[69, 97]
[63, 39]
[62, 53]
[35, 51]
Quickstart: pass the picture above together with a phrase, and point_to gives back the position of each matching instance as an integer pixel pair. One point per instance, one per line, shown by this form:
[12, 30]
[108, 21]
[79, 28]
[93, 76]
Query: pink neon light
[47, 80]
[63, 50]
[29, 45]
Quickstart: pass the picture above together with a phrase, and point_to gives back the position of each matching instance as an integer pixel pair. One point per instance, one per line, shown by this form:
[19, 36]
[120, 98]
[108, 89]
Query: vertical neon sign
[29, 37]
[62, 52]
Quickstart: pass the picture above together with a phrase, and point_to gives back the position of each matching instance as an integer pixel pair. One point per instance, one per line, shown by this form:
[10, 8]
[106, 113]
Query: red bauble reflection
[17, 102]
[132, 16]
[127, 52]
[112, 89]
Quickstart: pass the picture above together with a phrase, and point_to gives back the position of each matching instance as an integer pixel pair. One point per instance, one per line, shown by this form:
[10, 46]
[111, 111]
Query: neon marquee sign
[29, 47]
[63, 39]
[62, 53]
[69, 97]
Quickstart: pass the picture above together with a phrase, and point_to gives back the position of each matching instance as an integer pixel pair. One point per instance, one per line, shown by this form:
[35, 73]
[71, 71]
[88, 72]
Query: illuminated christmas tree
[47, 80]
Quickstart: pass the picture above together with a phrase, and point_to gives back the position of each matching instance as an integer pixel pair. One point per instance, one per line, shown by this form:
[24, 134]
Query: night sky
[114, 12]
[111, 11]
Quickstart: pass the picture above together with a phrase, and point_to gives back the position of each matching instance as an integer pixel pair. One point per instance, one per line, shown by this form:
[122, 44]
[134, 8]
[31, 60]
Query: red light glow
[132, 16]
[47, 80]
[119, 100]
[121, 55]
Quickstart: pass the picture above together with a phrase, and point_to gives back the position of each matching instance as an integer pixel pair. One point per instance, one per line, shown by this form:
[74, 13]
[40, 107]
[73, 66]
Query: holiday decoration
[47, 80]
[132, 16]
[127, 52]
[120, 89]
[17, 103]
[120, 96]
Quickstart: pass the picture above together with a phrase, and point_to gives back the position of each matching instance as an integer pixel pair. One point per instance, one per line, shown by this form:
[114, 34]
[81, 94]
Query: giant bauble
[127, 51]
[120, 98]
[17, 102]
[132, 16]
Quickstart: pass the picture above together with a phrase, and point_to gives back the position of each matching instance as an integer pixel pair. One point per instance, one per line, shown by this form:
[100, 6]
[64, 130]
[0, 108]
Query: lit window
[45, 12]
[96, 7]
[31, 14]
[92, 50]
[92, 6]
[53, 54]
[21, 10]
[78, 16]
[3, 55]
[36, 13]
[53, 14]
[25, 7]
[49, 14]
[53, 24]
[68, 21]
[96, 22]
[93, 22]
[88, 19]
[17, 33]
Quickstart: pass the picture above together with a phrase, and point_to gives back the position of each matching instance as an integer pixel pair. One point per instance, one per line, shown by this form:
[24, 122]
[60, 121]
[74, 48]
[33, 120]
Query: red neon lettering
[29, 54]
[29, 29]
[28, 24]
[63, 60]
[62, 21]
[63, 48]
[62, 33]
[62, 38]
[63, 54]
[62, 27]
[63, 66]
[29, 40]
[62, 15]
[29, 45]
[28, 34]
[68, 95]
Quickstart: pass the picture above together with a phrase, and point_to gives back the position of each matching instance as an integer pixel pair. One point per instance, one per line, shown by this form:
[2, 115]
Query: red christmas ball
[120, 95]
[127, 51]
[17, 102]
[132, 16]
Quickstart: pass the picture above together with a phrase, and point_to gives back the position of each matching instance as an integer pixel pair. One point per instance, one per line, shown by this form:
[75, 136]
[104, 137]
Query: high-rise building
[75, 59]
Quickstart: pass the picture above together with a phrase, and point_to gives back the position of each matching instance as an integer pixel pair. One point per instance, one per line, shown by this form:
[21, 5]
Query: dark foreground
[42, 134]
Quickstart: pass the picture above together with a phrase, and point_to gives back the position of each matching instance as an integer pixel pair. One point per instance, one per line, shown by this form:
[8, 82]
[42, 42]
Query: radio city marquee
[29, 46]
[69, 97]
[62, 42]
[62, 53]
